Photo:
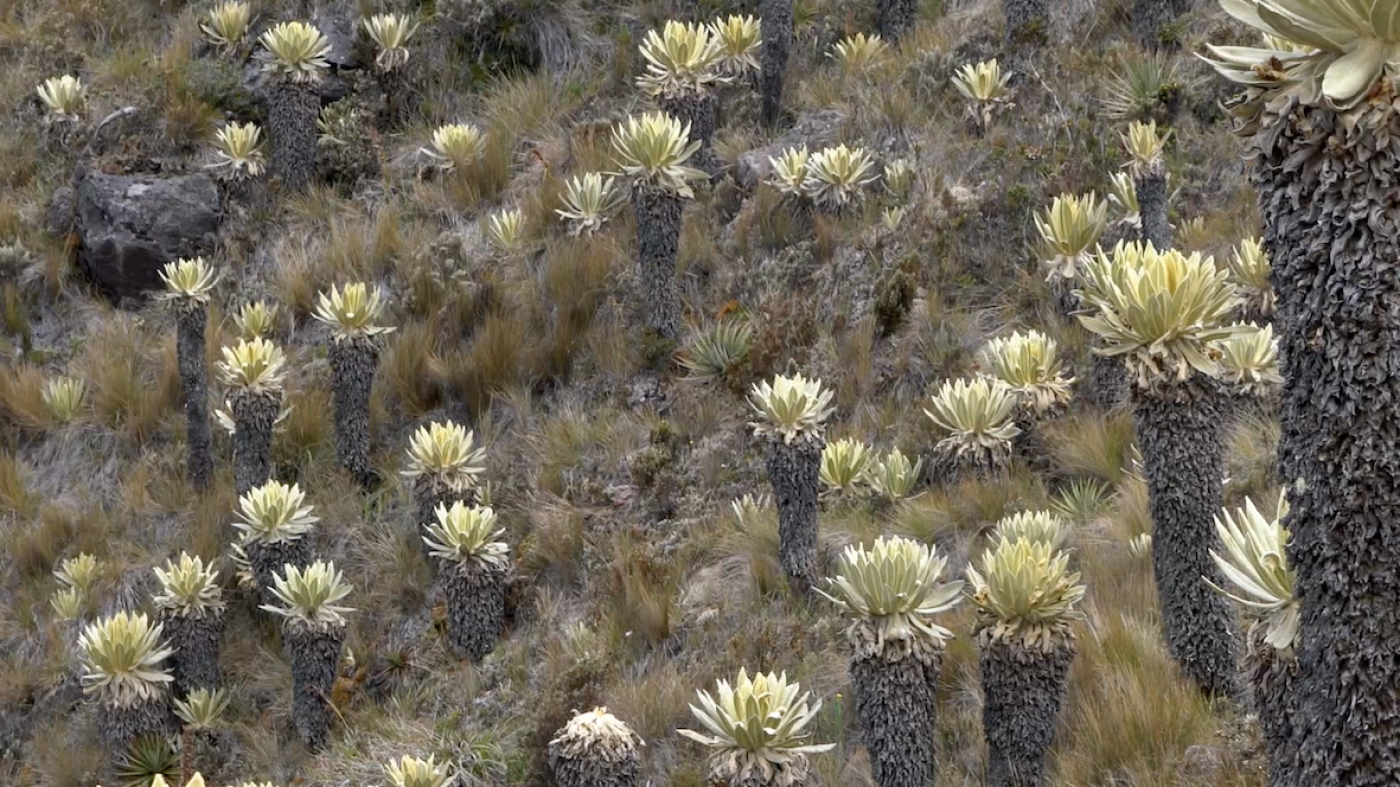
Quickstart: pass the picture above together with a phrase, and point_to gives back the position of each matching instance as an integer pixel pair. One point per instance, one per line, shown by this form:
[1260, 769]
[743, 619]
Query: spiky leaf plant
[1249, 360]
[188, 284]
[718, 350]
[1029, 364]
[226, 25]
[1143, 87]
[474, 572]
[506, 229]
[391, 33]
[456, 146]
[859, 53]
[984, 86]
[79, 572]
[150, 761]
[1080, 502]
[1164, 313]
[68, 603]
[757, 730]
[123, 659]
[353, 314]
[892, 590]
[444, 465]
[1070, 230]
[836, 177]
[202, 708]
[792, 413]
[64, 97]
[1040, 527]
[191, 608]
[295, 51]
[844, 463]
[892, 216]
[417, 772]
[1249, 272]
[1025, 598]
[682, 59]
[587, 201]
[899, 178]
[255, 319]
[790, 407]
[314, 630]
[273, 522]
[1122, 195]
[63, 398]
[294, 54]
[1261, 580]
[893, 476]
[790, 171]
[978, 417]
[255, 370]
[652, 151]
[739, 40]
[1159, 310]
[1147, 164]
[238, 151]
[595, 749]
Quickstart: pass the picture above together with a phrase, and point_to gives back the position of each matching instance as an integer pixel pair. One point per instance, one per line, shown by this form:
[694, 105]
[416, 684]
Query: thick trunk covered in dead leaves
[1330, 200]
[794, 470]
[896, 704]
[1023, 691]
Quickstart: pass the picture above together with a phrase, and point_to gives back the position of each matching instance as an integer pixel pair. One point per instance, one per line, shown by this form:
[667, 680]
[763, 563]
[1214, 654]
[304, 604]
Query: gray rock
[131, 225]
[339, 27]
[58, 216]
[816, 130]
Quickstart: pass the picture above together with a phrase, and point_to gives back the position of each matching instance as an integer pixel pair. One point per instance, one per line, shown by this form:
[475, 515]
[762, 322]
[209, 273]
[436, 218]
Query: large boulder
[131, 225]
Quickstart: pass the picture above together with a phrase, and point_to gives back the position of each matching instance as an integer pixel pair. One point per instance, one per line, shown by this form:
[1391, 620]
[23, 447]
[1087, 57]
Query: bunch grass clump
[844, 463]
[682, 59]
[1025, 595]
[790, 407]
[892, 589]
[122, 659]
[238, 151]
[308, 596]
[978, 416]
[65, 97]
[464, 534]
[1161, 311]
[189, 587]
[1141, 85]
[351, 313]
[226, 25]
[274, 512]
[652, 150]
[446, 454]
[295, 51]
[1069, 232]
[587, 201]
[1255, 564]
[757, 728]
[1029, 364]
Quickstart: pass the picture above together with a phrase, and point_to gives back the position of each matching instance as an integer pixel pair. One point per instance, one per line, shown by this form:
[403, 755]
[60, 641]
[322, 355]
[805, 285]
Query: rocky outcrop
[131, 225]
